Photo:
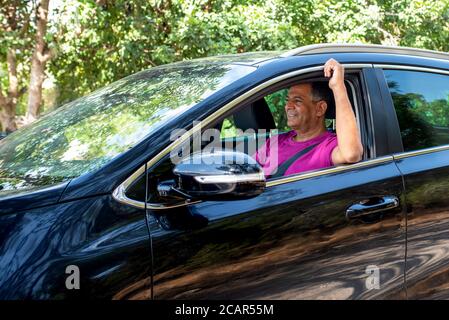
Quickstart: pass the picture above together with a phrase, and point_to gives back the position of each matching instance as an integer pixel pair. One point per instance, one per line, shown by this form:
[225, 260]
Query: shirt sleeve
[328, 146]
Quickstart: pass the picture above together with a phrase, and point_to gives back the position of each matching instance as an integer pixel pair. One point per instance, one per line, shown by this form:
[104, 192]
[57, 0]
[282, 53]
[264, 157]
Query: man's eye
[295, 101]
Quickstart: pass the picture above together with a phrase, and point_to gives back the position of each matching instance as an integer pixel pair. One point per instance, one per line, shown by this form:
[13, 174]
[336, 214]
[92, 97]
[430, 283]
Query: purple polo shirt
[270, 156]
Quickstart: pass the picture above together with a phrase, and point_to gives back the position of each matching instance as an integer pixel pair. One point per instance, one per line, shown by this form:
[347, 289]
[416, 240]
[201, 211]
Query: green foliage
[16, 28]
[229, 129]
[276, 102]
[99, 42]
[16, 34]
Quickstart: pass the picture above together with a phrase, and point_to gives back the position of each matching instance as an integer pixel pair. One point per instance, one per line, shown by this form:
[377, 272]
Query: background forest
[53, 51]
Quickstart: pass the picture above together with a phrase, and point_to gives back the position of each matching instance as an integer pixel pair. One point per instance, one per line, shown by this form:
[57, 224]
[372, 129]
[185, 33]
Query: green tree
[96, 42]
[24, 53]
[15, 42]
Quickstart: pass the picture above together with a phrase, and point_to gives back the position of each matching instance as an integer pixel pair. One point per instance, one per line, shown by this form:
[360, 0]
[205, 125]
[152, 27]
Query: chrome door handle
[372, 205]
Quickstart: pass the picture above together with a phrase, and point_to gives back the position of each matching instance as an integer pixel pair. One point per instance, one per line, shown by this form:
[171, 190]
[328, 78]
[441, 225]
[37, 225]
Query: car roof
[364, 48]
[258, 57]
[247, 58]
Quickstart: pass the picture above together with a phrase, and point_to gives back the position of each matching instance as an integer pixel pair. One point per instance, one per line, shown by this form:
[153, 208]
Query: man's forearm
[349, 141]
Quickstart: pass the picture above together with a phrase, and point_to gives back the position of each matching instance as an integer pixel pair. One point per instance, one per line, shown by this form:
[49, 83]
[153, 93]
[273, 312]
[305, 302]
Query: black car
[74, 222]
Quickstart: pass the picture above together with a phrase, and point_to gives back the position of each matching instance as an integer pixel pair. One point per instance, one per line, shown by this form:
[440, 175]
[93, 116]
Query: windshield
[83, 135]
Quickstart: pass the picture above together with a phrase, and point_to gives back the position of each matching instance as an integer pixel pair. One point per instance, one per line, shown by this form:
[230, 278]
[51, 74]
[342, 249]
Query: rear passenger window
[421, 100]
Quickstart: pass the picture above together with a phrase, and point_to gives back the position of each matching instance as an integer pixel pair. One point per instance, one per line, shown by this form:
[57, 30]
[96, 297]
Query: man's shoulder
[331, 135]
[330, 140]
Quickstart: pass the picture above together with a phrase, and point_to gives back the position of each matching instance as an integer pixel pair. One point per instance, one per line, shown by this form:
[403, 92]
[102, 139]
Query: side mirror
[220, 175]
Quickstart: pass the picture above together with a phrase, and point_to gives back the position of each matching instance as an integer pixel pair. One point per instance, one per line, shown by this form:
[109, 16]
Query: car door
[336, 233]
[421, 98]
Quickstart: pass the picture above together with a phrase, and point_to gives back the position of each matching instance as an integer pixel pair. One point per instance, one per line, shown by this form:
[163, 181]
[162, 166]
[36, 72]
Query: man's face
[302, 112]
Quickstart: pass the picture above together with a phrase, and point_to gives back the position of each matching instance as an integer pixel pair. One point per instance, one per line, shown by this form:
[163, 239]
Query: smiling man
[309, 146]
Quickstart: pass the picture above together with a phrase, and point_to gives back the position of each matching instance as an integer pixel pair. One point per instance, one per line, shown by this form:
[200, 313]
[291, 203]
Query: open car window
[249, 127]
[245, 129]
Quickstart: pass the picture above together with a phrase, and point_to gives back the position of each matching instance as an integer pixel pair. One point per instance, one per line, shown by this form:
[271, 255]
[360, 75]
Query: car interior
[257, 117]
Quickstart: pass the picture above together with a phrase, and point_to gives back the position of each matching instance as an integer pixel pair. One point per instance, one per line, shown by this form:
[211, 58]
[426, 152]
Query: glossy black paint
[19, 200]
[108, 242]
[292, 241]
[427, 183]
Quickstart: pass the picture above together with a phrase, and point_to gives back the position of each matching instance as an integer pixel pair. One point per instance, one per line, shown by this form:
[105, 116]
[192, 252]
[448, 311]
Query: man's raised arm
[349, 149]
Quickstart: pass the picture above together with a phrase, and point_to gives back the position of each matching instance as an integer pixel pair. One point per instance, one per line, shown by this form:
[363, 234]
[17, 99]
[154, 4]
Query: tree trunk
[40, 57]
[7, 119]
[8, 104]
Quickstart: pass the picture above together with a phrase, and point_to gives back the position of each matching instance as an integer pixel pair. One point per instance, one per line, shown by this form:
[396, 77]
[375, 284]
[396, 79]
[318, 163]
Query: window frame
[353, 79]
[253, 94]
[360, 97]
[383, 83]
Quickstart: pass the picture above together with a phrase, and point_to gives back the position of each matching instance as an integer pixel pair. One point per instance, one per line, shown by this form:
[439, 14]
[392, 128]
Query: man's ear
[321, 108]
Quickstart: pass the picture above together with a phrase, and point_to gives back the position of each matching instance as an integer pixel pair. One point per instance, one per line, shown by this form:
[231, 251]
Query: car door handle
[371, 206]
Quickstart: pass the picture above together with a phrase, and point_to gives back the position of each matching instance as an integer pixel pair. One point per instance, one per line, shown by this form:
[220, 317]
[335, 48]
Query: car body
[376, 229]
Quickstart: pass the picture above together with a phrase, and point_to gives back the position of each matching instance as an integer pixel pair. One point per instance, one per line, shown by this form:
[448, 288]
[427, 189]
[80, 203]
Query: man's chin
[292, 125]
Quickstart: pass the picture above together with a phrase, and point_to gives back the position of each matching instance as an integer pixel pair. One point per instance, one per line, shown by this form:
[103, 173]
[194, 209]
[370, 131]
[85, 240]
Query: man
[309, 146]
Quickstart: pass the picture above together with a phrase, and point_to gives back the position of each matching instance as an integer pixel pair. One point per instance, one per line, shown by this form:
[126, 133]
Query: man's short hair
[321, 91]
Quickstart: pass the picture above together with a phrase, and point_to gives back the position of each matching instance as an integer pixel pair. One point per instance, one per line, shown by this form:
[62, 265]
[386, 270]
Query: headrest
[256, 115]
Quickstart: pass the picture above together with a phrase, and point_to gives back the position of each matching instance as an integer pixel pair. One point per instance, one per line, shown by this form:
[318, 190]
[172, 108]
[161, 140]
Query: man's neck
[307, 135]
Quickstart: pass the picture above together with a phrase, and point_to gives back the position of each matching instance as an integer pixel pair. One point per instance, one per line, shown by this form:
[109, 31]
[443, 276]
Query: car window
[83, 135]
[421, 100]
[232, 128]
[276, 104]
[241, 131]
[238, 131]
